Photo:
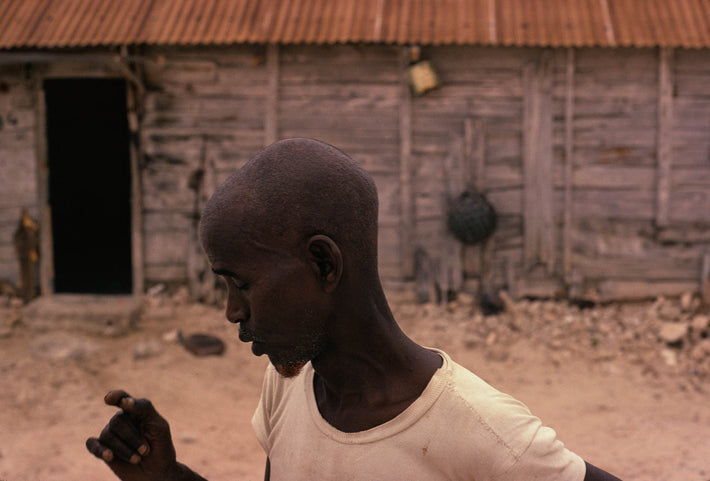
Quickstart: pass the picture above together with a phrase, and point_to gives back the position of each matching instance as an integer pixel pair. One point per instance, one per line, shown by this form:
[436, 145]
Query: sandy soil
[614, 398]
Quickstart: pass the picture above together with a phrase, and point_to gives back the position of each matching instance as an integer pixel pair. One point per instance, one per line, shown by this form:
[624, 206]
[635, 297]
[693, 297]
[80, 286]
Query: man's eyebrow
[224, 272]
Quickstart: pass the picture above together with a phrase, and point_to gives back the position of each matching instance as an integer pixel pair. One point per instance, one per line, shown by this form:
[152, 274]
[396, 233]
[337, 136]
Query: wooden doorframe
[134, 94]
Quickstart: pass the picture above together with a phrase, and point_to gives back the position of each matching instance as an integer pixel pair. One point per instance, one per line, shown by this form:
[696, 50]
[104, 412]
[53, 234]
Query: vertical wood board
[665, 139]
[569, 165]
[537, 160]
[271, 121]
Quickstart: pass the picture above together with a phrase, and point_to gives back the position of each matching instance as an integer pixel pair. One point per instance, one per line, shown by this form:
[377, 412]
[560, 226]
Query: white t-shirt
[460, 428]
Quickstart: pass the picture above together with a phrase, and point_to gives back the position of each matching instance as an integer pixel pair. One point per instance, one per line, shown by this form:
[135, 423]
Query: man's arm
[595, 474]
[136, 443]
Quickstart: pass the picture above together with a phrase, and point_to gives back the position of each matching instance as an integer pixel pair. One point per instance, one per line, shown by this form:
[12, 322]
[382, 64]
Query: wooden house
[586, 125]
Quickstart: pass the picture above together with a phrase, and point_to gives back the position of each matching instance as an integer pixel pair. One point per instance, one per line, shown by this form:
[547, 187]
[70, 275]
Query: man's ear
[327, 260]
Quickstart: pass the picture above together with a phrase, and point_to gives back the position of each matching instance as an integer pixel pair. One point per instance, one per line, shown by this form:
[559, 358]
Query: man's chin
[289, 369]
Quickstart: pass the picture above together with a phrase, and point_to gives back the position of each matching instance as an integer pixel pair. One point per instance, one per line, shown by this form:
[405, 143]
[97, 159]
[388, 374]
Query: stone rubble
[666, 334]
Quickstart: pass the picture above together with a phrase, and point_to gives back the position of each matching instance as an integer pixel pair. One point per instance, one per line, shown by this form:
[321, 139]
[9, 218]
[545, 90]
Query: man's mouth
[257, 345]
[245, 335]
[258, 348]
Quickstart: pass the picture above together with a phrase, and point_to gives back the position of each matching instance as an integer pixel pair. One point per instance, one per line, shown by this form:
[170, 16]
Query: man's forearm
[595, 474]
[183, 473]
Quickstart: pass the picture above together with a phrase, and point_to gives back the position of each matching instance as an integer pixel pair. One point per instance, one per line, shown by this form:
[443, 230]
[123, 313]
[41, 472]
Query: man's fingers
[97, 449]
[146, 421]
[122, 426]
[108, 455]
[118, 447]
[113, 398]
[141, 408]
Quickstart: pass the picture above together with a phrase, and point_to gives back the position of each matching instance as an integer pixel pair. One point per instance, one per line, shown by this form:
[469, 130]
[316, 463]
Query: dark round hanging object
[472, 218]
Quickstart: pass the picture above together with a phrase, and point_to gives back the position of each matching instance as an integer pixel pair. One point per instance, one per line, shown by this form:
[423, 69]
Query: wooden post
[451, 249]
[665, 135]
[271, 120]
[538, 209]
[407, 214]
[474, 153]
[46, 257]
[705, 279]
[569, 171]
[132, 101]
[474, 174]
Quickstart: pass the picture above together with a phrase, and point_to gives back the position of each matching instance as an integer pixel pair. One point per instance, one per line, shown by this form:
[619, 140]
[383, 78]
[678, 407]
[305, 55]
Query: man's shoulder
[481, 403]
[466, 384]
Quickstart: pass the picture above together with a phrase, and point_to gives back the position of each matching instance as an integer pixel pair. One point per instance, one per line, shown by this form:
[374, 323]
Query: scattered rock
[188, 438]
[700, 323]
[156, 290]
[497, 354]
[687, 302]
[510, 305]
[668, 311]
[202, 344]
[465, 299]
[181, 296]
[701, 350]
[673, 332]
[146, 349]
[491, 303]
[670, 357]
[9, 318]
[636, 331]
[472, 341]
[172, 336]
[60, 346]
[16, 303]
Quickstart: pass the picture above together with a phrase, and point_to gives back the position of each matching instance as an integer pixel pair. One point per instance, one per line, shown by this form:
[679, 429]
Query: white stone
[669, 357]
[672, 332]
[700, 323]
[686, 301]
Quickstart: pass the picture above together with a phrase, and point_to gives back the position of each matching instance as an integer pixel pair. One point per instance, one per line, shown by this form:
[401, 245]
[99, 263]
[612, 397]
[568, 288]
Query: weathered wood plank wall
[620, 131]
[622, 194]
[205, 114]
[18, 165]
[596, 160]
[349, 97]
[484, 86]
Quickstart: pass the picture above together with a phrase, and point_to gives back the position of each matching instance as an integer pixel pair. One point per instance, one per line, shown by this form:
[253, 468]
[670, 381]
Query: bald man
[347, 394]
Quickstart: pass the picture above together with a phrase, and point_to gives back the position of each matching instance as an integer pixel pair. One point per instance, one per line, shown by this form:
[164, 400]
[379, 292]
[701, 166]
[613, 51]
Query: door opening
[89, 185]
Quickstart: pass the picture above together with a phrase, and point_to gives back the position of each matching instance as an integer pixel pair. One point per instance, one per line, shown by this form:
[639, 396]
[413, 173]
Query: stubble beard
[290, 363]
[289, 369]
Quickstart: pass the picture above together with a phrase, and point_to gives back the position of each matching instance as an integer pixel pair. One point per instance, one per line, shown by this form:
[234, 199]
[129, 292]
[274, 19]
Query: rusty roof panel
[671, 23]
[556, 23]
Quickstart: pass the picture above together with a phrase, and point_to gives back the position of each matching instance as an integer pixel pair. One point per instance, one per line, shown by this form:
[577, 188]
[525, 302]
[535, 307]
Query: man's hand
[136, 443]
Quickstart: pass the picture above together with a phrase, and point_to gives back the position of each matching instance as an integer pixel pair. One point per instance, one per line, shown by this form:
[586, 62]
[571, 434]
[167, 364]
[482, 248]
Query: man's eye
[242, 286]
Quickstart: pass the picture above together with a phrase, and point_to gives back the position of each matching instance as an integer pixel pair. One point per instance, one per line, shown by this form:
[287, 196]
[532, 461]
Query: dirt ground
[617, 392]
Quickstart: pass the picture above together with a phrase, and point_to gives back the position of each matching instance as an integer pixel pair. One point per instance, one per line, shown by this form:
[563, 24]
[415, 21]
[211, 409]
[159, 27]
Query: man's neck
[370, 373]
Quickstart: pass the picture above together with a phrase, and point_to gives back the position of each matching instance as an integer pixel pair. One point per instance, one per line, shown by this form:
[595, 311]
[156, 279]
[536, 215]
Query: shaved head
[295, 189]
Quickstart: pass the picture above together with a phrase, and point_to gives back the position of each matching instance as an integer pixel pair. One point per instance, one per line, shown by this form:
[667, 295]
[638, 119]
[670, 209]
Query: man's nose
[237, 310]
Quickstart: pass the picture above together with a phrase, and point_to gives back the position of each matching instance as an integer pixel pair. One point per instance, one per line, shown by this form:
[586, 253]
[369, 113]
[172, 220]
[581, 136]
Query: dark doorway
[89, 185]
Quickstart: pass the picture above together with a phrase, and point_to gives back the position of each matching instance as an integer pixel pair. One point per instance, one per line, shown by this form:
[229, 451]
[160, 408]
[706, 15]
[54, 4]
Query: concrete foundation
[105, 315]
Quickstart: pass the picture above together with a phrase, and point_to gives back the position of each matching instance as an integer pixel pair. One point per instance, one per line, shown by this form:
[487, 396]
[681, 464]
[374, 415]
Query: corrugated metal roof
[610, 23]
